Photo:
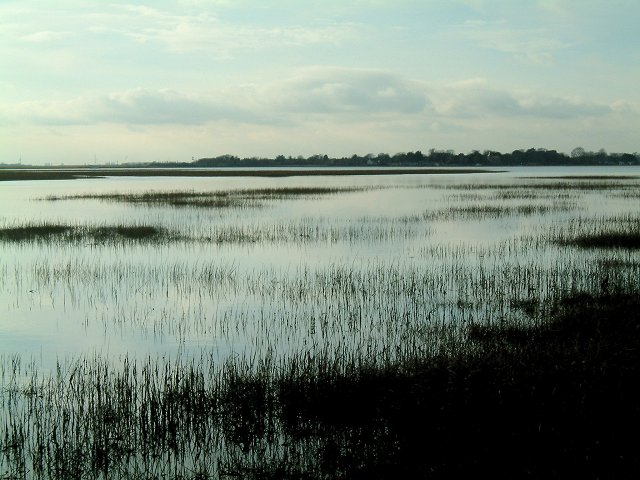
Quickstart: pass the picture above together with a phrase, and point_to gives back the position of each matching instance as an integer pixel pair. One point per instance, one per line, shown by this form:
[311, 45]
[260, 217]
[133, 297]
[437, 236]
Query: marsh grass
[553, 184]
[240, 198]
[482, 211]
[552, 400]
[516, 194]
[620, 239]
[587, 178]
[31, 232]
[303, 231]
[60, 233]
[618, 231]
[548, 401]
[628, 194]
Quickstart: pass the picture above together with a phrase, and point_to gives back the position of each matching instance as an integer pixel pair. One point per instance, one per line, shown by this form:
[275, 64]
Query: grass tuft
[51, 232]
[626, 240]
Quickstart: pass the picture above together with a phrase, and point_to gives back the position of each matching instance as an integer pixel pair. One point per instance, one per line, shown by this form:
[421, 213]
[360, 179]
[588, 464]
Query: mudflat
[69, 174]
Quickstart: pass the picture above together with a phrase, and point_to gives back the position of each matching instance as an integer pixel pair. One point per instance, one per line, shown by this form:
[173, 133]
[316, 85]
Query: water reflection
[294, 274]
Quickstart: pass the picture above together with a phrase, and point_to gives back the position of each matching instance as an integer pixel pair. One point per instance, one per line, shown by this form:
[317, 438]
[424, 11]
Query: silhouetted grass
[620, 231]
[513, 194]
[573, 185]
[241, 198]
[481, 211]
[630, 240]
[554, 401]
[25, 233]
[587, 177]
[52, 232]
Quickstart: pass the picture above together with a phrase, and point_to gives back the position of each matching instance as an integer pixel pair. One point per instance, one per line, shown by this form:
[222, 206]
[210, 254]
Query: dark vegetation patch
[515, 194]
[26, 174]
[573, 185]
[247, 198]
[620, 231]
[473, 212]
[52, 232]
[618, 263]
[26, 233]
[554, 400]
[620, 239]
[627, 194]
[588, 177]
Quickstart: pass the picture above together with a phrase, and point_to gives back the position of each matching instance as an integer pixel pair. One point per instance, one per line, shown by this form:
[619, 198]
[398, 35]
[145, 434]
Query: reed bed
[515, 194]
[587, 178]
[60, 233]
[364, 305]
[237, 198]
[303, 231]
[610, 232]
[612, 239]
[491, 210]
[613, 185]
[633, 194]
[519, 389]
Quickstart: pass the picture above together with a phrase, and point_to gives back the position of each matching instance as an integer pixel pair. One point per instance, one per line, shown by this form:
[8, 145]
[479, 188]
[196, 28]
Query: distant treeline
[487, 158]
[433, 158]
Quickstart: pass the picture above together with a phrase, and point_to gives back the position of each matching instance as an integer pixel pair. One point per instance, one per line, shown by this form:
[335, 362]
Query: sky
[128, 81]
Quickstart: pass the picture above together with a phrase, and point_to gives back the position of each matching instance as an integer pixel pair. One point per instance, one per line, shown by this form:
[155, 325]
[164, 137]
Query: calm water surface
[370, 268]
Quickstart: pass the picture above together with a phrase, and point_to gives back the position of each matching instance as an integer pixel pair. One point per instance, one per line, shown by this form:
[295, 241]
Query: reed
[482, 211]
[549, 399]
[620, 239]
[237, 198]
[64, 233]
[610, 185]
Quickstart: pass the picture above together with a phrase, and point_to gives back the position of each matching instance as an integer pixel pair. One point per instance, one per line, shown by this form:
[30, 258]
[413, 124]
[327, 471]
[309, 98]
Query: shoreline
[72, 174]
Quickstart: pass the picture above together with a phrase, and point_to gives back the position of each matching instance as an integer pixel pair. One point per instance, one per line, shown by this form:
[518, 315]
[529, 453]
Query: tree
[577, 152]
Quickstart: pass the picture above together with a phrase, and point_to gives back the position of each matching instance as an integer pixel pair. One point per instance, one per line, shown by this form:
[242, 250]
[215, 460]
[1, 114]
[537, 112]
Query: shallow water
[366, 269]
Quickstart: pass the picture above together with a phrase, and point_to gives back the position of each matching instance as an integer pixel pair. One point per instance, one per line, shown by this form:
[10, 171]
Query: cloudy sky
[171, 80]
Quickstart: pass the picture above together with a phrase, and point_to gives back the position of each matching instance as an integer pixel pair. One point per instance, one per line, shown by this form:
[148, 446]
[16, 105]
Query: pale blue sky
[172, 80]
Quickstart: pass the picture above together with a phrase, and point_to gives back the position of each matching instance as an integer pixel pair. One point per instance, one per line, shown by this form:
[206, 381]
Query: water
[164, 356]
[367, 268]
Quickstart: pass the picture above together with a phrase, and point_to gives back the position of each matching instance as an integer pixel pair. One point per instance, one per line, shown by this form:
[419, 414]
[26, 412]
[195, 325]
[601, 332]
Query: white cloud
[188, 30]
[323, 90]
[133, 107]
[477, 98]
[45, 36]
[531, 45]
[211, 36]
[205, 32]
[142, 106]
[341, 95]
